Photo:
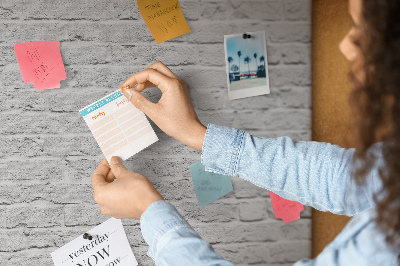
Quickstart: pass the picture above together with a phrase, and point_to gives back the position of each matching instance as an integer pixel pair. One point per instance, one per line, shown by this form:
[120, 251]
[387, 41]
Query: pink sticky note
[288, 211]
[41, 63]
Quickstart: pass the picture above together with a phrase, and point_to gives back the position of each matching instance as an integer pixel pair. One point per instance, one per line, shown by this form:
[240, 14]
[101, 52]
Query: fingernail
[129, 92]
[125, 88]
[115, 160]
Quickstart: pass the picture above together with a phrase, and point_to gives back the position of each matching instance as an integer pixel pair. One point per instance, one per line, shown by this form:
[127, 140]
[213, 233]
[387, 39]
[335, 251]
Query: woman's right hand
[174, 113]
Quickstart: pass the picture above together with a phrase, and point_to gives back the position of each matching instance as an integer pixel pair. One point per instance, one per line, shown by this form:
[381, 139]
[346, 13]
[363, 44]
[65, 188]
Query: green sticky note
[209, 186]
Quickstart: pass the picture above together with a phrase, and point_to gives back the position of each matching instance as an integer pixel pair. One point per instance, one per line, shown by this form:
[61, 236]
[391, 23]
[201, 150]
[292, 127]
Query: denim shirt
[312, 173]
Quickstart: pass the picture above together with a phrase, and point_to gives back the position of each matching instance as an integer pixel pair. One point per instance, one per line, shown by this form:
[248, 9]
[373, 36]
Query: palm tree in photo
[247, 60]
[230, 60]
[262, 59]
[239, 54]
[255, 58]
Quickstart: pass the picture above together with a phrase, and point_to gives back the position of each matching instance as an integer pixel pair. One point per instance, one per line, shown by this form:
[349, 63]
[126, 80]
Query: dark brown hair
[375, 102]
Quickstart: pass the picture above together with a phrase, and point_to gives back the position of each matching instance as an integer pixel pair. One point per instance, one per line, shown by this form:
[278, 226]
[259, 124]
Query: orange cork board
[330, 99]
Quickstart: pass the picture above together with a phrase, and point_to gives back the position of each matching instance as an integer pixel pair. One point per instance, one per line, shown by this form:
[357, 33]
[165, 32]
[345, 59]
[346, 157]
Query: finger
[100, 174]
[160, 67]
[159, 80]
[110, 177]
[140, 102]
[117, 167]
[105, 210]
[142, 86]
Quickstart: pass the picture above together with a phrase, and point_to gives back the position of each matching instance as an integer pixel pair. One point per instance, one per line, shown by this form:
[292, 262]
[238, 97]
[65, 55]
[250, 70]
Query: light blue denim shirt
[312, 173]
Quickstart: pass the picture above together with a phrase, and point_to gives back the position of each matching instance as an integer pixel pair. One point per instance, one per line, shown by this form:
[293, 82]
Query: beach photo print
[246, 65]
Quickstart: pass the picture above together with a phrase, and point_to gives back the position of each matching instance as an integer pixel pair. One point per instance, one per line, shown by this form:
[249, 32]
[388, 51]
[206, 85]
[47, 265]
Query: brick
[298, 230]
[296, 54]
[290, 32]
[217, 211]
[272, 120]
[171, 55]
[29, 193]
[83, 214]
[7, 55]
[244, 189]
[287, 97]
[134, 236]
[297, 10]
[290, 251]
[212, 31]
[31, 171]
[238, 232]
[79, 171]
[252, 211]
[239, 10]
[289, 76]
[245, 253]
[85, 54]
[20, 31]
[38, 214]
[190, 9]
[31, 123]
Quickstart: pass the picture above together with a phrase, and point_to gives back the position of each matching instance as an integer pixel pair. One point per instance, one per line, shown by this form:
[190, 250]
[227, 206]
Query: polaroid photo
[246, 65]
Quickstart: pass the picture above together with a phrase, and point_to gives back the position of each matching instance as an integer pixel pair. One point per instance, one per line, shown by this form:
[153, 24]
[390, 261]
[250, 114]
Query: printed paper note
[164, 18]
[109, 246]
[209, 186]
[288, 211]
[41, 64]
[118, 126]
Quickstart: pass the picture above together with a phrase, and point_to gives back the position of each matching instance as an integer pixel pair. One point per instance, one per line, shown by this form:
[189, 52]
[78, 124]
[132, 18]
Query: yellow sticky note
[164, 18]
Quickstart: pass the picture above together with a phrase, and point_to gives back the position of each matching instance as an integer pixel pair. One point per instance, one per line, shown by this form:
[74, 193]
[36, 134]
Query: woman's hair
[375, 102]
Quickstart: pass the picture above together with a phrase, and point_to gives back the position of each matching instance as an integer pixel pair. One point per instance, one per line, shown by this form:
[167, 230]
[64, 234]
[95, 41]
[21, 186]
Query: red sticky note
[288, 211]
[41, 63]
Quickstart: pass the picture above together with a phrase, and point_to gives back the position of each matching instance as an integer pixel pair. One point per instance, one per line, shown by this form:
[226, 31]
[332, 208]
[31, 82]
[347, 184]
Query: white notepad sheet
[109, 246]
[118, 126]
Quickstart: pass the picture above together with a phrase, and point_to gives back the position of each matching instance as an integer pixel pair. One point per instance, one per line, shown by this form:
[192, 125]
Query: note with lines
[118, 126]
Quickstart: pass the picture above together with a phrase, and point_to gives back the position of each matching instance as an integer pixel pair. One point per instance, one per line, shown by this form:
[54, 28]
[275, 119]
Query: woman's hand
[128, 196]
[174, 113]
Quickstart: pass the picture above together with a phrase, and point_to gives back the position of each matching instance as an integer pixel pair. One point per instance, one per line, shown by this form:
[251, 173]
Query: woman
[320, 175]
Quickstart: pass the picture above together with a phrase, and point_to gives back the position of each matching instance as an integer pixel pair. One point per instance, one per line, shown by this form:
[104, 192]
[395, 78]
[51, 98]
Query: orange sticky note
[41, 63]
[287, 210]
[164, 18]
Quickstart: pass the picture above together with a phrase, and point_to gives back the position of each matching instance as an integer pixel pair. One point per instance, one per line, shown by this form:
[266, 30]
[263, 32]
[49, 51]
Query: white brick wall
[47, 154]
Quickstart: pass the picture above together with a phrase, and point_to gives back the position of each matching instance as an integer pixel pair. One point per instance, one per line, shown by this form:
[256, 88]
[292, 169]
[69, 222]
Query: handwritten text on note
[41, 63]
[164, 18]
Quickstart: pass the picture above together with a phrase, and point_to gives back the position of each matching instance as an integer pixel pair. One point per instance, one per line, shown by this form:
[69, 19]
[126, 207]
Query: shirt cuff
[158, 219]
[222, 148]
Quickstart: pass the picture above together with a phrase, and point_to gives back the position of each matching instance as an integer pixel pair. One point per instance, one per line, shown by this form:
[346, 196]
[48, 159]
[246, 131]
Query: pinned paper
[287, 210]
[209, 186]
[108, 246]
[118, 126]
[164, 18]
[41, 64]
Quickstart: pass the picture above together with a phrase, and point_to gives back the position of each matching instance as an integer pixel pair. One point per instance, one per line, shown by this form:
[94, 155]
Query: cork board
[330, 99]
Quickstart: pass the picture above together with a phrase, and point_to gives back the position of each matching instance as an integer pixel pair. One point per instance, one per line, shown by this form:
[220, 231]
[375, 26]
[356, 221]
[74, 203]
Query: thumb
[117, 167]
[139, 101]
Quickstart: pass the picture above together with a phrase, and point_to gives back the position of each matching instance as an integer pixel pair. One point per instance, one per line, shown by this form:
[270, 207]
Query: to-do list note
[164, 18]
[118, 126]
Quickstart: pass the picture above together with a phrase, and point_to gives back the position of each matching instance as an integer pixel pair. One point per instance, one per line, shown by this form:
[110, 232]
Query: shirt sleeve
[313, 173]
[172, 241]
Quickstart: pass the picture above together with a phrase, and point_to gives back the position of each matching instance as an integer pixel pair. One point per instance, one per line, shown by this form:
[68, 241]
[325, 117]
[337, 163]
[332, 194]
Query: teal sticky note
[209, 186]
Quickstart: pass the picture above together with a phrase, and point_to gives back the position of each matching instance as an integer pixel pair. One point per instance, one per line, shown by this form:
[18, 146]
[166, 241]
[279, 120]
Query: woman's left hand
[128, 196]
